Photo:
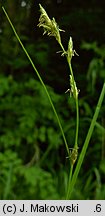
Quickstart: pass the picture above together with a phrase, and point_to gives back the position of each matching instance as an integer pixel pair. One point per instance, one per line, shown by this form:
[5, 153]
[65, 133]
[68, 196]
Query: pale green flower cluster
[74, 90]
[50, 27]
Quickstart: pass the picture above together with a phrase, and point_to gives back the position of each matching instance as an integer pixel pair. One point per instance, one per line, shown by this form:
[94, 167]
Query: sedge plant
[51, 28]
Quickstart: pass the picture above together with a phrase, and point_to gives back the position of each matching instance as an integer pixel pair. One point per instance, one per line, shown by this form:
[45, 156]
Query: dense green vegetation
[33, 163]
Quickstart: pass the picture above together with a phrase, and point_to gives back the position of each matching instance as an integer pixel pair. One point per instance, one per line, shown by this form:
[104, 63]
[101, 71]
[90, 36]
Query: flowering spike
[74, 90]
[70, 51]
[50, 27]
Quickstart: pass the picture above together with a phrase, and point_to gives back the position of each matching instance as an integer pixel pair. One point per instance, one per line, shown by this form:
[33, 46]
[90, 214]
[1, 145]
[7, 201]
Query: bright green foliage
[10, 165]
[30, 141]
[21, 111]
[28, 126]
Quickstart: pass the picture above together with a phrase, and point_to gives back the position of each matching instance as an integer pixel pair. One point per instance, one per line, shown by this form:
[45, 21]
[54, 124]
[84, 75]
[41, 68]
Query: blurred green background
[33, 163]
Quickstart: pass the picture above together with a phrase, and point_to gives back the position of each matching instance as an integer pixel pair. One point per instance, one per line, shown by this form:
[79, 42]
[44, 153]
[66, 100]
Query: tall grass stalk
[51, 28]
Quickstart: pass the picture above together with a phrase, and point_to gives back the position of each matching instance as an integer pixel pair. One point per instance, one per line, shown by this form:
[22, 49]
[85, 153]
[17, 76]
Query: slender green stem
[77, 124]
[62, 47]
[70, 67]
[86, 143]
[33, 65]
[76, 100]
[99, 126]
[76, 134]
[69, 181]
[77, 109]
